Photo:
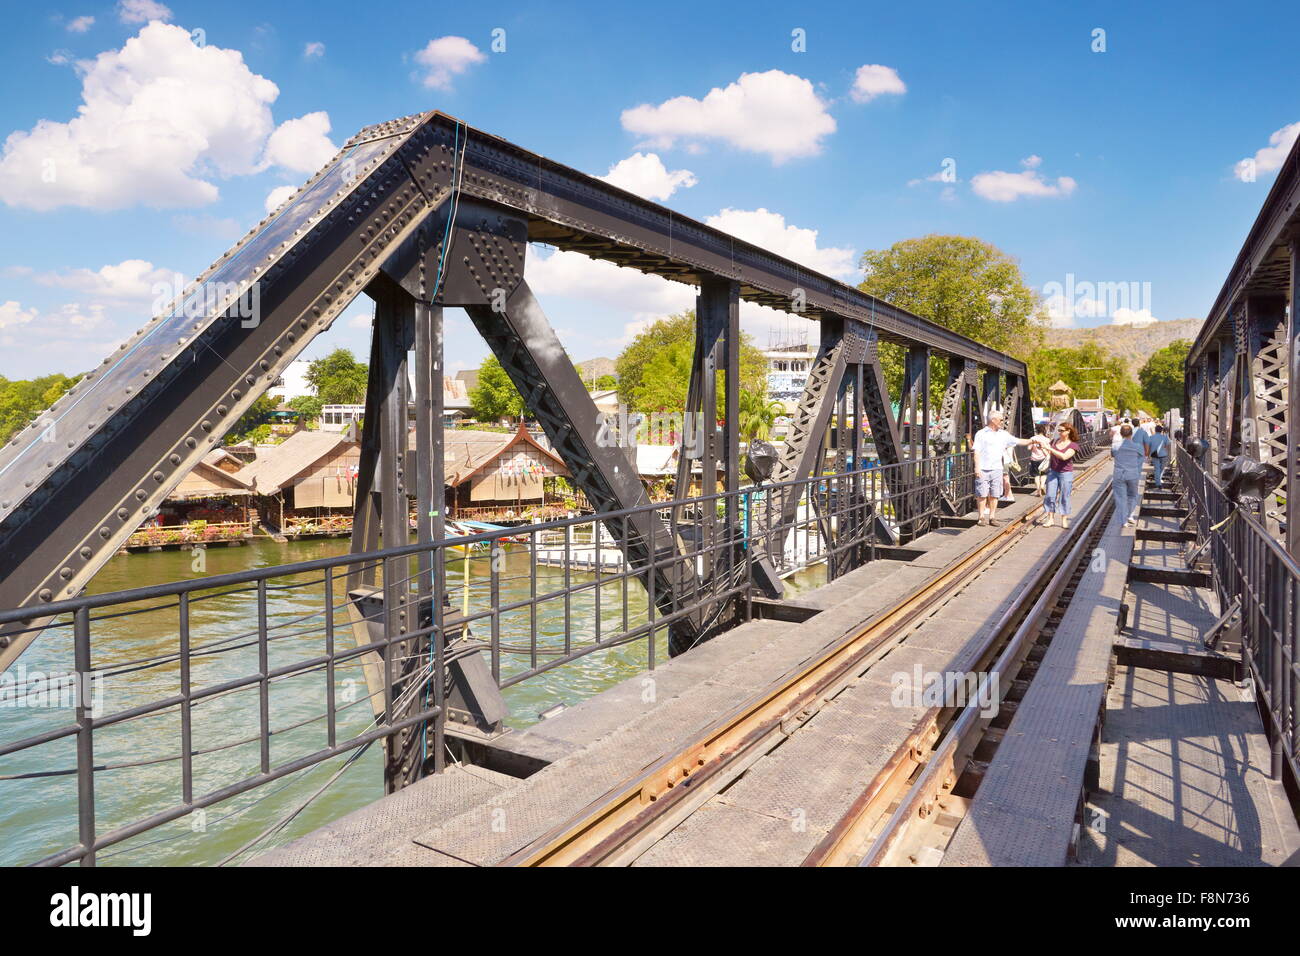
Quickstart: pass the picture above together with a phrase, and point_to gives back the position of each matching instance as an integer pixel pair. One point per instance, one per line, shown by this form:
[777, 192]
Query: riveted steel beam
[76, 484]
[530, 352]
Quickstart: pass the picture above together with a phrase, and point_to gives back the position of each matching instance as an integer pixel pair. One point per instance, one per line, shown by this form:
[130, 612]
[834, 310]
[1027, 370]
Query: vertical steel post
[1293, 408]
[728, 296]
[85, 734]
[187, 749]
[394, 328]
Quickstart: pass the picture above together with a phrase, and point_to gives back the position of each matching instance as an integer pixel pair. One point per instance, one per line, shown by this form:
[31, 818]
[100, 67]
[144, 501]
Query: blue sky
[1109, 166]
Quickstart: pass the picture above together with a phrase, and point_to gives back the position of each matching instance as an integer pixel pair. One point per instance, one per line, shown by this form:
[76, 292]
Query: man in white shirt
[989, 445]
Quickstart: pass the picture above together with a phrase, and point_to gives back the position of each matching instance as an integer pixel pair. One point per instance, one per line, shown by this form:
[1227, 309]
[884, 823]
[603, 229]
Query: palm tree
[757, 414]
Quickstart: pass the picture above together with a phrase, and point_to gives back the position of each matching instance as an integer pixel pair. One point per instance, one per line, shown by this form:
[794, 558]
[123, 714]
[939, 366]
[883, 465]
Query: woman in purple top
[1060, 474]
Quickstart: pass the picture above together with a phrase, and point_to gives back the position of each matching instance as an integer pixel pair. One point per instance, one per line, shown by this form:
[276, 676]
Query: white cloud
[157, 119]
[445, 58]
[1271, 157]
[938, 177]
[301, 144]
[314, 49]
[646, 175]
[630, 300]
[563, 273]
[774, 113]
[769, 230]
[142, 11]
[131, 279]
[1125, 316]
[875, 80]
[12, 315]
[60, 57]
[1001, 186]
[276, 197]
[1061, 312]
[74, 317]
[80, 24]
[70, 338]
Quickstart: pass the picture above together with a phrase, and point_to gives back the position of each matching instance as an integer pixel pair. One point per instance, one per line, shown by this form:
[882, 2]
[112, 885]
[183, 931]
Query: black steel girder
[76, 484]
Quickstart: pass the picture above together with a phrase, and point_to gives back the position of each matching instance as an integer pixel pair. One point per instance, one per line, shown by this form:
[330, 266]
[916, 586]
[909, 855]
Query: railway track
[920, 778]
[909, 822]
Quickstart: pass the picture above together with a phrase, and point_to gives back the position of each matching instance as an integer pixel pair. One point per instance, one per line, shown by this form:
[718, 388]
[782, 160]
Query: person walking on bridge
[1158, 448]
[1129, 454]
[1060, 474]
[990, 443]
[1038, 458]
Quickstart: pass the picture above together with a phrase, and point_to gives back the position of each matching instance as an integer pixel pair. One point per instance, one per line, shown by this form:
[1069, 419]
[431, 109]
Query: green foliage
[308, 406]
[22, 401]
[338, 378]
[495, 397]
[1083, 368]
[961, 283]
[251, 425]
[757, 414]
[606, 382]
[654, 371]
[1162, 376]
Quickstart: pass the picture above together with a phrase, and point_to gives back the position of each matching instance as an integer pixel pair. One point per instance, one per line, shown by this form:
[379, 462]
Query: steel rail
[673, 786]
[942, 766]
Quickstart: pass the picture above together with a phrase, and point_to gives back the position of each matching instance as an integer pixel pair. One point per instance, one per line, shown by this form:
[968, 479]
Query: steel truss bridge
[1242, 422]
[424, 213]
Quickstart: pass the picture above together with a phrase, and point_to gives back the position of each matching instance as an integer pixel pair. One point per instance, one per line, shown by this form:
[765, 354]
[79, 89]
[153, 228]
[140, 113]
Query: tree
[654, 371]
[606, 383]
[1162, 376]
[1083, 368]
[308, 406]
[251, 426]
[757, 415]
[338, 378]
[495, 396]
[962, 283]
[22, 401]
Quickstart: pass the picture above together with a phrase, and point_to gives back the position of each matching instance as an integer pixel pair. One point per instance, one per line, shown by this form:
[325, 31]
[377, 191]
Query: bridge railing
[1253, 571]
[213, 707]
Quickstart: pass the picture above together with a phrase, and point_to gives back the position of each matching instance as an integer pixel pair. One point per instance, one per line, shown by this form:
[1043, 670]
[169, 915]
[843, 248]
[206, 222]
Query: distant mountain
[593, 369]
[1133, 343]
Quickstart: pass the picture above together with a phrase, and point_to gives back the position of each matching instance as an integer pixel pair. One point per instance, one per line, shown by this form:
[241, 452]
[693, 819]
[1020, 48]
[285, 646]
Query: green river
[38, 814]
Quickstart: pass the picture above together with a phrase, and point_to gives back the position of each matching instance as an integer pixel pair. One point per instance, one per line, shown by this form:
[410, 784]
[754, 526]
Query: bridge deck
[1023, 813]
[593, 745]
[787, 802]
[1184, 759]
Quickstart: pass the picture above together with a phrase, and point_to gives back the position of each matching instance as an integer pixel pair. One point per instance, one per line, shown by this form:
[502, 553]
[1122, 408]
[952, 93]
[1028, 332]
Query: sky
[1120, 152]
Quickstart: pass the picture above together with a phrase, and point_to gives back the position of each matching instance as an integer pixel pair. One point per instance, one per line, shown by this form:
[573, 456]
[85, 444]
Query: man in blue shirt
[1129, 454]
[1158, 448]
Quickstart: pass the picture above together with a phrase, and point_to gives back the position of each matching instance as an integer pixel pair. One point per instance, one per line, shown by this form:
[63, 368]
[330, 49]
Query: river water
[141, 775]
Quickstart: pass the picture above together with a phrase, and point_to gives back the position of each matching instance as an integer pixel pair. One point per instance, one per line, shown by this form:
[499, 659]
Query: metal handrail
[1251, 567]
[834, 524]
